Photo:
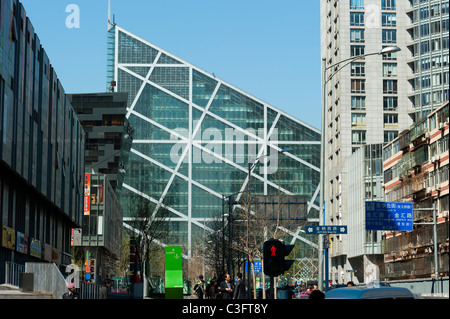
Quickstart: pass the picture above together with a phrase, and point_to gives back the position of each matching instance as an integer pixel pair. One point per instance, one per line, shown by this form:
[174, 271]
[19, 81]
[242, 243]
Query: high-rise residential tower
[372, 100]
[428, 44]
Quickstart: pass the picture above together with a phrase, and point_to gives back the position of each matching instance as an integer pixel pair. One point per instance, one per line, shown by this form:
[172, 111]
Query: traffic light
[273, 257]
[275, 252]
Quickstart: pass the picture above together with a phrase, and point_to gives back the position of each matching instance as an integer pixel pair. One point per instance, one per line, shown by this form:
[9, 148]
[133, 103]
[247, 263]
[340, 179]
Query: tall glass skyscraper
[195, 136]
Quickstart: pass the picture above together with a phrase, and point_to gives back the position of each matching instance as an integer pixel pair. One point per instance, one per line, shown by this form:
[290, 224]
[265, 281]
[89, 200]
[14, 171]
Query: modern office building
[416, 170]
[195, 136]
[41, 153]
[108, 133]
[107, 146]
[372, 100]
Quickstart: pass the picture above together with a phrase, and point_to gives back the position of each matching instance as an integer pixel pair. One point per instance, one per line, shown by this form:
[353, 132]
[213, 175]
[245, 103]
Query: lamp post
[323, 251]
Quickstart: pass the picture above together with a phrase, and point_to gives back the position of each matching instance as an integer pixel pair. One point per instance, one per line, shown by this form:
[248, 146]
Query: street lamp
[324, 251]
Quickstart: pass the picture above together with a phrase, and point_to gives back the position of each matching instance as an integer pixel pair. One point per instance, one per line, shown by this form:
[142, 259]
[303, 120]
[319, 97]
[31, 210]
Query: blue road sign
[389, 216]
[258, 267]
[338, 229]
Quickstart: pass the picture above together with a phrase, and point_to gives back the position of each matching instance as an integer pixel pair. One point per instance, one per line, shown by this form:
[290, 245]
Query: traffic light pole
[325, 255]
[271, 291]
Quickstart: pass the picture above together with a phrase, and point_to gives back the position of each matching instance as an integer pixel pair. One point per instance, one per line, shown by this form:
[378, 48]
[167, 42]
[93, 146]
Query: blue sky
[269, 49]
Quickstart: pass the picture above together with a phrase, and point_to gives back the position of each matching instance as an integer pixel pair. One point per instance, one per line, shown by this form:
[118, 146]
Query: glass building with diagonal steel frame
[195, 136]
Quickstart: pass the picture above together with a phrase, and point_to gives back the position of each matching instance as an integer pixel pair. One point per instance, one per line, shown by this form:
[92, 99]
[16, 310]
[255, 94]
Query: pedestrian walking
[103, 294]
[213, 290]
[226, 287]
[239, 289]
[199, 288]
[72, 293]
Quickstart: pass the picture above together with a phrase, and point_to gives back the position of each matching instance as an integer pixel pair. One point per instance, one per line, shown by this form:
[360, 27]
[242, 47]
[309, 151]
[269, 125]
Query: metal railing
[49, 279]
[89, 290]
[12, 273]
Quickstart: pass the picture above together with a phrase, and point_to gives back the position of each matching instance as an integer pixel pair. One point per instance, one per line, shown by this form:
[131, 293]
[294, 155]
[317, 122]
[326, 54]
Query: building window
[358, 120]
[356, 50]
[357, 35]
[390, 103]
[389, 86]
[356, 19]
[357, 4]
[424, 29]
[387, 4]
[389, 69]
[390, 120]
[358, 137]
[357, 69]
[358, 86]
[358, 102]
[424, 13]
[389, 36]
[389, 19]
[389, 136]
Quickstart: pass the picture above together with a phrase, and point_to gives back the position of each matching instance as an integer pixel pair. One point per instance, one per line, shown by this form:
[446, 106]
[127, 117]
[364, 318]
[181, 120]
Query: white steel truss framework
[143, 72]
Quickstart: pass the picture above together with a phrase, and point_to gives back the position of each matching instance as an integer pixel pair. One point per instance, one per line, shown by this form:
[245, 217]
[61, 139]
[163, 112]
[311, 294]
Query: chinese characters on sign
[326, 229]
[258, 267]
[87, 193]
[389, 216]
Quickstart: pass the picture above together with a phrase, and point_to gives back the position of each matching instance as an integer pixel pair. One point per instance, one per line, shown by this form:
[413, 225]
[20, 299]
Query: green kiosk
[174, 273]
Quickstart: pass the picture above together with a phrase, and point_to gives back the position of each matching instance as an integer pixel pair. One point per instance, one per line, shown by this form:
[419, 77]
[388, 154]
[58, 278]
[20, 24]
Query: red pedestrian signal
[273, 262]
[273, 250]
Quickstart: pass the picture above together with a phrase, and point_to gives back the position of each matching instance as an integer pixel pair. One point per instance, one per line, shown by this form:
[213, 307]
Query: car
[369, 292]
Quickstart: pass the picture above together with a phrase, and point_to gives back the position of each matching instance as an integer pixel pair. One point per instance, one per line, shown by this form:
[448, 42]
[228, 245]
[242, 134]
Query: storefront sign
[22, 243]
[8, 237]
[87, 193]
[36, 248]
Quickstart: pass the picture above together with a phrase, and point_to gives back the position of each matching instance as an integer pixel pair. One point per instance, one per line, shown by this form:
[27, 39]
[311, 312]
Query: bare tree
[216, 246]
[261, 221]
[150, 225]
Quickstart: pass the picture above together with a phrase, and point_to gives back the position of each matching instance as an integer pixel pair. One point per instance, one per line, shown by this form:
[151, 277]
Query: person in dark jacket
[239, 289]
[72, 293]
[226, 288]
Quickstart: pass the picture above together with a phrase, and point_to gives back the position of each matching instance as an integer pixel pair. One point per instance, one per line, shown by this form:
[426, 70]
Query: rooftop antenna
[109, 15]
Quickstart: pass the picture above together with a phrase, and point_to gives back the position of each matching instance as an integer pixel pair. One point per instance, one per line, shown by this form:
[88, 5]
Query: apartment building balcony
[404, 141]
[418, 132]
[419, 184]
[411, 163]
